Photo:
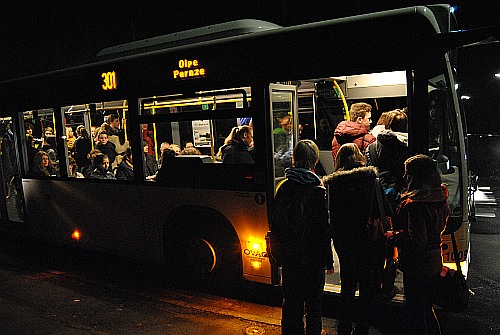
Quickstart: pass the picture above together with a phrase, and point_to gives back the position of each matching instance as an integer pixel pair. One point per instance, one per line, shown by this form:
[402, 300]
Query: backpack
[289, 226]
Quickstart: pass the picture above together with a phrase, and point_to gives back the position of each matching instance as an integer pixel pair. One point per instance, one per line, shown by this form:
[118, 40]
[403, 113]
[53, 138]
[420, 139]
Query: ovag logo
[255, 253]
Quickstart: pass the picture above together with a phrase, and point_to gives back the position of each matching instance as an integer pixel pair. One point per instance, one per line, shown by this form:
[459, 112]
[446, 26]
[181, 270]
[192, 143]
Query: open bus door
[11, 206]
[283, 108]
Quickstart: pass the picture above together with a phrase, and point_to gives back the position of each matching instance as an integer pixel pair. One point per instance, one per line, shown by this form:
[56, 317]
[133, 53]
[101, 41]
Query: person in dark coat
[388, 155]
[43, 166]
[124, 170]
[82, 147]
[305, 259]
[106, 147]
[238, 146]
[420, 221]
[351, 188]
[354, 131]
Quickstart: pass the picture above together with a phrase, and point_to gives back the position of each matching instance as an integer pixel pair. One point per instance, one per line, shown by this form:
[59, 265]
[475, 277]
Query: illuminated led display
[188, 68]
[109, 81]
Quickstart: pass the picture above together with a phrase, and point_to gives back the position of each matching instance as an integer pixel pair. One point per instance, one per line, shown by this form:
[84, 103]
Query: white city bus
[210, 219]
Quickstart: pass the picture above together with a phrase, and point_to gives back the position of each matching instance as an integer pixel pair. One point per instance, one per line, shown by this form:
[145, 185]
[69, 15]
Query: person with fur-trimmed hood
[356, 130]
[351, 192]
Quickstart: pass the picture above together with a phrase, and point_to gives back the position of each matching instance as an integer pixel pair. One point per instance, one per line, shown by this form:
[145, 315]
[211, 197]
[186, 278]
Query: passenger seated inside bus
[99, 168]
[73, 169]
[43, 166]
[238, 146]
[125, 170]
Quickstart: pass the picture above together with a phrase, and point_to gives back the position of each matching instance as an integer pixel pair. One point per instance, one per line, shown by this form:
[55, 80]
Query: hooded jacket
[419, 223]
[351, 132]
[304, 234]
[390, 151]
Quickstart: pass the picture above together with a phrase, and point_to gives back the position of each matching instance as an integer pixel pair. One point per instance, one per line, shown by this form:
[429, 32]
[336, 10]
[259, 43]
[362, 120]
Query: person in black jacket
[237, 148]
[351, 188]
[300, 221]
[125, 170]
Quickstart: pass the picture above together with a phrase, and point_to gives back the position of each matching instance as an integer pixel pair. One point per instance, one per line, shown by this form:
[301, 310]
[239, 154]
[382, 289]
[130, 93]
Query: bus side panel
[246, 211]
[107, 218]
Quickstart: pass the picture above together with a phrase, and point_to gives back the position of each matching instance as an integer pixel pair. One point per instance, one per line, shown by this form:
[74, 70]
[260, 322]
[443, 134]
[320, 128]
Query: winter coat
[390, 151]
[351, 132]
[304, 235]
[419, 223]
[236, 152]
[350, 196]
[124, 171]
[108, 149]
[82, 147]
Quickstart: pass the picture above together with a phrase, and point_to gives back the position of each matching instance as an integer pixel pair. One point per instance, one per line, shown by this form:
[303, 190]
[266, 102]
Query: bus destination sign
[188, 68]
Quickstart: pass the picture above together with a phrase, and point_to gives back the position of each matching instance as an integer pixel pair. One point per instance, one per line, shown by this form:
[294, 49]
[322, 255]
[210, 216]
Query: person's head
[103, 138]
[398, 121]
[69, 132]
[349, 157]
[286, 122]
[145, 127]
[113, 120]
[176, 148]
[127, 156]
[241, 133]
[190, 151]
[105, 162]
[42, 162]
[78, 130]
[383, 119]
[91, 155]
[29, 129]
[421, 174]
[361, 113]
[168, 153]
[164, 146]
[73, 167]
[305, 154]
[189, 145]
[48, 131]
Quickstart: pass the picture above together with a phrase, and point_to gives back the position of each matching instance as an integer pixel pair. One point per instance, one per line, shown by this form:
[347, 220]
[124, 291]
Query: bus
[209, 219]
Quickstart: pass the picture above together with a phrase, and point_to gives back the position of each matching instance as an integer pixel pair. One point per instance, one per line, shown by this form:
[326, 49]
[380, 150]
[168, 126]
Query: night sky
[40, 36]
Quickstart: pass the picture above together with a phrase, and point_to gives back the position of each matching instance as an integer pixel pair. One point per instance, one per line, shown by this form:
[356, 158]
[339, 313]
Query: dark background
[40, 36]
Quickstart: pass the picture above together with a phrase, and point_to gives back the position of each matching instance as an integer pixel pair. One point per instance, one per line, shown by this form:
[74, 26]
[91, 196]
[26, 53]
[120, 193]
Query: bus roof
[207, 33]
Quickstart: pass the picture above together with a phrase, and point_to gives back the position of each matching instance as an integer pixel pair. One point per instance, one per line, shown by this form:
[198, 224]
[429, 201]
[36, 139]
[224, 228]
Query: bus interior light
[256, 264]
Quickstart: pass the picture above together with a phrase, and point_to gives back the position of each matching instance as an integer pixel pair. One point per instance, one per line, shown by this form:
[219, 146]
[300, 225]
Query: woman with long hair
[237, 148]
[351, 192]
[43, 165]
[420, 220]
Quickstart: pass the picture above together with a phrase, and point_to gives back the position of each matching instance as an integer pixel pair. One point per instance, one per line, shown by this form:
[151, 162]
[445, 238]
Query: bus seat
[180, 171]
[326, 160]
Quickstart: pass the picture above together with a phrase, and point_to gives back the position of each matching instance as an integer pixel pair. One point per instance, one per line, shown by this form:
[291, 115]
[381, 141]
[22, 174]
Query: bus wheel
[200, 256]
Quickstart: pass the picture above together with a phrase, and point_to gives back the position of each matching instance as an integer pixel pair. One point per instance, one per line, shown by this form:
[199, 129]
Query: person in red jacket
[356, 130]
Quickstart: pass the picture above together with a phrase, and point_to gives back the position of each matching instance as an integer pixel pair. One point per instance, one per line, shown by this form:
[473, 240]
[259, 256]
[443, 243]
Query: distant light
[75, 235]
[456, 87]
[497, 75]
[465, 97]
[453, 9]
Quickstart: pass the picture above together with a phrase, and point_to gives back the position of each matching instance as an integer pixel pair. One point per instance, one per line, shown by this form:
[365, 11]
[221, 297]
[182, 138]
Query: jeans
[302, 293]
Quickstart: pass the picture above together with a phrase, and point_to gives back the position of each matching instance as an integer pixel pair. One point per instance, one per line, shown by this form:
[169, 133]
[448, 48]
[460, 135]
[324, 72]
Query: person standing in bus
[356, 130]
[388, 154]
[105, 146]
[82, 147]
[420, 221]
[351, 194]
[300, 224]
[238, 146]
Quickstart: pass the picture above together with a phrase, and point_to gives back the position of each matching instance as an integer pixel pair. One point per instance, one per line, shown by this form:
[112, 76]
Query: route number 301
[109, 81]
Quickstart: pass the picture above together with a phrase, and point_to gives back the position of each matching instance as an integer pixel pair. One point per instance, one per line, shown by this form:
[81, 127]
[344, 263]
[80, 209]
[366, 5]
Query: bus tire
[202, 244]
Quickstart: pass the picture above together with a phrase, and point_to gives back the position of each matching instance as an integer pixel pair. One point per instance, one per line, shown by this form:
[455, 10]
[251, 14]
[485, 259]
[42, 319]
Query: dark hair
[422, 174]
[349, 157]
[305, 154]
[398, 121]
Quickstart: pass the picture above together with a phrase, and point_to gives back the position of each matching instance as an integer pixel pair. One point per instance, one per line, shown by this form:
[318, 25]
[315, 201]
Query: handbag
[452, 291]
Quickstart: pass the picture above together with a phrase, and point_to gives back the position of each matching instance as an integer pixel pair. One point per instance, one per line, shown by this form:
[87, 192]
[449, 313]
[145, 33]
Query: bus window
[40, 143]
[195, 129]
[87, 121]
